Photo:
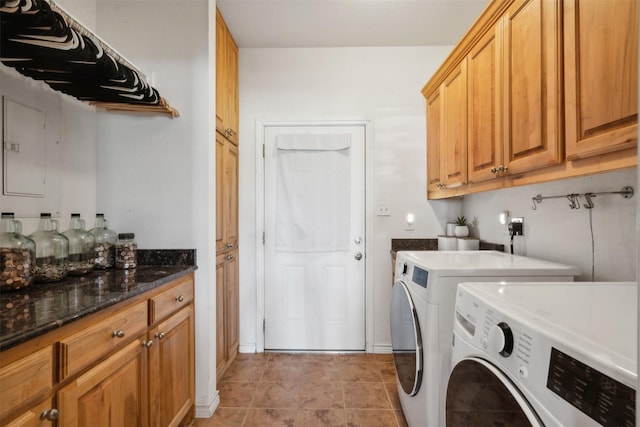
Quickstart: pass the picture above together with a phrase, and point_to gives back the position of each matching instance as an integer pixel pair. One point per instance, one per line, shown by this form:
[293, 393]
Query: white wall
[381, 85]
[156, 175]
[70, 151]
[556, 232]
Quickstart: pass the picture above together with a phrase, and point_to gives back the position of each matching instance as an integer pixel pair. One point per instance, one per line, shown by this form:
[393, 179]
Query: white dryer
[422, 307]
[553, 355]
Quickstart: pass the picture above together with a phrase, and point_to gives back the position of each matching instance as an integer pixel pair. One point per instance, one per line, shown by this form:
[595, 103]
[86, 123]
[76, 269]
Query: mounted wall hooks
[574, 199]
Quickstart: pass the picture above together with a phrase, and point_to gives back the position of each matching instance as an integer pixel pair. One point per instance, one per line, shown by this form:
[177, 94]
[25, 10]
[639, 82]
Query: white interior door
[314, 237]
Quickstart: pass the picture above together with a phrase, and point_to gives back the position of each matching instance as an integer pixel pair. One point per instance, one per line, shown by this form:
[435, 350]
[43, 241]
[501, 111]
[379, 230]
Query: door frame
[260, 227]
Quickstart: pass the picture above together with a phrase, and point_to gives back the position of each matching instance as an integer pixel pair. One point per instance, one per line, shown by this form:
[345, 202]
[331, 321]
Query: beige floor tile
[271, 418]
[365, 395]
[317, 371]
[236, 394]
[371, 418]
[244, 371]
[285, 370]
[321, 418]
[388, 372]
[360, 372]
[223, 417]
[322, 395]
[392, 392]
[276, 395]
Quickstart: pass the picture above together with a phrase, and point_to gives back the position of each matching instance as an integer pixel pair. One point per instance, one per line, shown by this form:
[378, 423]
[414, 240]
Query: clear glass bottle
[52, 250]
[105, 247]
[126, 251]
[81, 247]
[17, 255]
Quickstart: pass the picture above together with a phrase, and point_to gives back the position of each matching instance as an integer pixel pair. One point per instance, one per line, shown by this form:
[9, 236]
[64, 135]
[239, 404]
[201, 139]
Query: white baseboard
[206, 410]
[383, 349]
[247, 348]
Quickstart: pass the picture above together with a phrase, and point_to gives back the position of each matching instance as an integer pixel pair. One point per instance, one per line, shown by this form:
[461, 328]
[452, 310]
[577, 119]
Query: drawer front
[171, 300]
[25, 378]
[88, 345]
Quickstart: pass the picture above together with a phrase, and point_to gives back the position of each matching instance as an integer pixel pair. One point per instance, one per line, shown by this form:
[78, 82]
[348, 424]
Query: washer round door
[406, 339]
[479, 395]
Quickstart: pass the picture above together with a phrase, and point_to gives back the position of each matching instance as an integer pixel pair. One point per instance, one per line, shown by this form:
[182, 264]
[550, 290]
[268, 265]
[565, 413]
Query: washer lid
[596, 318]
[484, 263]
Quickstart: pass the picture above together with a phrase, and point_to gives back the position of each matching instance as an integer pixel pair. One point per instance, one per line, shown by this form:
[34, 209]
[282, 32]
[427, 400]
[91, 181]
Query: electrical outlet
[516, 227]
[384, 209]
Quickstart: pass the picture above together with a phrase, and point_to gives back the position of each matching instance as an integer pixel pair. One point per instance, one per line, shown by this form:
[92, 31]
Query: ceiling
[348, 23]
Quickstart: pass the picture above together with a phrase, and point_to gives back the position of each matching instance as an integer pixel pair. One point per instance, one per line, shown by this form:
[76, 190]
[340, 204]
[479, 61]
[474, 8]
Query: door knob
[358, 256]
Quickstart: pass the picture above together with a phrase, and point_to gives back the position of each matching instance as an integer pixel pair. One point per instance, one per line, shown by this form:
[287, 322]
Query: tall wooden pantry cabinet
[227, 302]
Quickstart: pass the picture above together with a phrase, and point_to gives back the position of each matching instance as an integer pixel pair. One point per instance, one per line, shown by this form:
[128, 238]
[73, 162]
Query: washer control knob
[501, 339]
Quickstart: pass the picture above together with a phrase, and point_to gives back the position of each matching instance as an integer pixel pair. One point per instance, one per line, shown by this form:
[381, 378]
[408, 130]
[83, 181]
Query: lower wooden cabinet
[42, 414]
[227, 309]
[147, 378]
[171, 377]
[109, 395]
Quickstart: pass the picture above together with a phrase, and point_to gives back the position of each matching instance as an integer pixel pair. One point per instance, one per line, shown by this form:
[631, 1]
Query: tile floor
[311, 390]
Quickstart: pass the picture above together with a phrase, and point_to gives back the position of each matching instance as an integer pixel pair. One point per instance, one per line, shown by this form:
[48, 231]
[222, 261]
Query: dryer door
[479, 395]
[406, 339]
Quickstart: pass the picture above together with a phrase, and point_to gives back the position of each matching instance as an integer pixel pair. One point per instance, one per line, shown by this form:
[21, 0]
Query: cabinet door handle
[180, 298]
[229, 257]
[50, 414]
[229, 245]
[160, 335]
[494, 170]
[147, 343]
[117, 334]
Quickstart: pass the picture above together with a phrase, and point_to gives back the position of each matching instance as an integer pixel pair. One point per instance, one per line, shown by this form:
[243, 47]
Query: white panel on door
[335, 306]
[295, 285]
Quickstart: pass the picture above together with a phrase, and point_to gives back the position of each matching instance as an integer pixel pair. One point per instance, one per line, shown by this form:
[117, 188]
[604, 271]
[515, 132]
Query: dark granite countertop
[42, 307]
[432, 245]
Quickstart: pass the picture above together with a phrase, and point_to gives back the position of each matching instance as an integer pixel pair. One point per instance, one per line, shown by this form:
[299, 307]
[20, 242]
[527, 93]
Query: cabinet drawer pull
[118, 334]
[229, 245]
[229, 257]
[50, 414]
[160, 335]
[180, 298]
[147, 343]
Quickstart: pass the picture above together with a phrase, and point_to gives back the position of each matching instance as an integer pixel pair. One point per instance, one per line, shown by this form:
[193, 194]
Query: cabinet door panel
[454, 93]
[221, 347]
[532, 79]
[232, 306]
[434, 141]
[172, 363]
[601, 76]
[220, 192]
[109, 395]
[485, 133]
[25, 379]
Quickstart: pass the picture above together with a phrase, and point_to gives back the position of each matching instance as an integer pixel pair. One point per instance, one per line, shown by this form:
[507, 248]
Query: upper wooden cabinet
[226, 194]
[532, 85]
[454, 127]
[514, 107]
[484, 123]
[601, 76]
[434, 124]
[227, 103]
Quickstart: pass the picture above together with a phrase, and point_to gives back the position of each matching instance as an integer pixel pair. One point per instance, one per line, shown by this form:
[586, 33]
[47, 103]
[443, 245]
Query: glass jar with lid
[105, 246]
[52, 250]
[126, 251]
[81, 247]
[17, 255]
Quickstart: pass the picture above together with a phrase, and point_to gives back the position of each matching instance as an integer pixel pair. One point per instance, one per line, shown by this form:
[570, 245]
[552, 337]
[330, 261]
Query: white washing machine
[553, 355]
[422, 306]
